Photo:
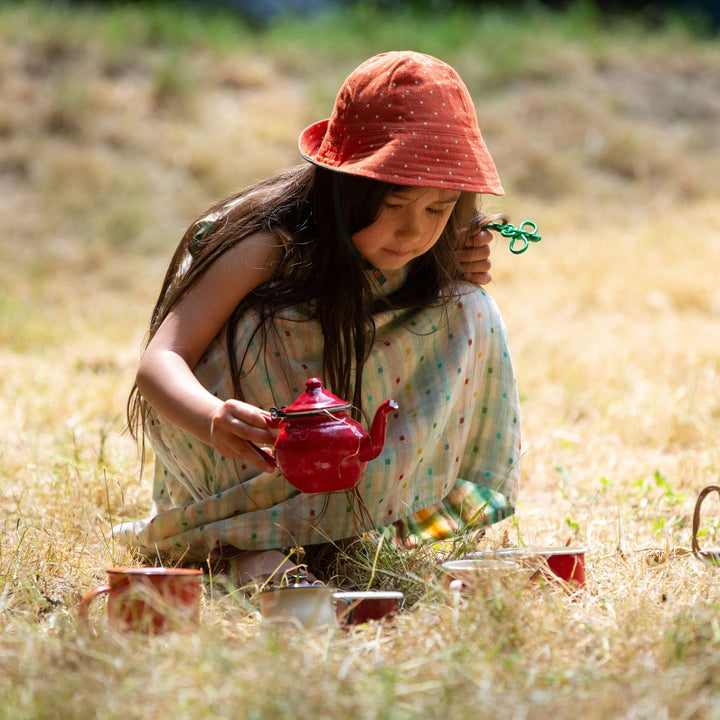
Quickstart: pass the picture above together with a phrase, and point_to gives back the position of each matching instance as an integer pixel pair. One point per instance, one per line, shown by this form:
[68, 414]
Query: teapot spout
[373, 443]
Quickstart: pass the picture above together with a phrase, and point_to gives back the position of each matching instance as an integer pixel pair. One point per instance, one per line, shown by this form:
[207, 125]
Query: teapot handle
[710, 556]
[265, 454]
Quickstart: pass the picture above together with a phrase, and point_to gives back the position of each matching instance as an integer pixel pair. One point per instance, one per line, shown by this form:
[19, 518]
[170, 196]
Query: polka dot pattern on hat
[405, 118]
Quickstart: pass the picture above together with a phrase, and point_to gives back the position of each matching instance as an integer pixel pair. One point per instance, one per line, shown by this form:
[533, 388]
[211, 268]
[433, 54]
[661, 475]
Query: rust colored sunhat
[405, 118]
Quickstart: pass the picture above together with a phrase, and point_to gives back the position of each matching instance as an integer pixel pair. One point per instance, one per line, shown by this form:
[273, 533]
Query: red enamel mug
[151, 600]
[358, 607]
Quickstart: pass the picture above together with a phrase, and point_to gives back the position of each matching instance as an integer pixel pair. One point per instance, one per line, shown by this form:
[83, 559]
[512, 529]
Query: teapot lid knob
[315, 399]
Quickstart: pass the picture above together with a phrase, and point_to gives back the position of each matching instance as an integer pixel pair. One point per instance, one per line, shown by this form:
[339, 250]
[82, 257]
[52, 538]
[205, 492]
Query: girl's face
[410, 222]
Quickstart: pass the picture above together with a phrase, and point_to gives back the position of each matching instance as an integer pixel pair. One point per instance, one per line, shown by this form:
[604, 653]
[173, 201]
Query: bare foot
[265, 566]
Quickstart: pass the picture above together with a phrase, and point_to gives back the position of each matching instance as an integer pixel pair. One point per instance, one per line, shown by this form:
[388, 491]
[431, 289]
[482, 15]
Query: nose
[409, 226]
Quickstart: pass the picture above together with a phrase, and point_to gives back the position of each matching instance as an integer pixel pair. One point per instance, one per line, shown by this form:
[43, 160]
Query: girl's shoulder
[475, 299]
[257, 255]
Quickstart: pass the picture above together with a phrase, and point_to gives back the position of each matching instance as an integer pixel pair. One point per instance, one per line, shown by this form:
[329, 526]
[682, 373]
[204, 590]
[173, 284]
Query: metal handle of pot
[708, 556]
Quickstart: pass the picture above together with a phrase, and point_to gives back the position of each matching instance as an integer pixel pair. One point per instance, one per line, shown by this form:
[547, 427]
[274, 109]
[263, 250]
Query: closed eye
[442, 209]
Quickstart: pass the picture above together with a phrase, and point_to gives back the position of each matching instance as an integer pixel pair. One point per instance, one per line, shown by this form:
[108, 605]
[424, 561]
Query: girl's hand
[474, 258]
[235, 429]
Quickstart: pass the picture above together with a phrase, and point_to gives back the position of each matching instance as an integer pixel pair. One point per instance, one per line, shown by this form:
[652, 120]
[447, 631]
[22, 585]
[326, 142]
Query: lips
[398, 253]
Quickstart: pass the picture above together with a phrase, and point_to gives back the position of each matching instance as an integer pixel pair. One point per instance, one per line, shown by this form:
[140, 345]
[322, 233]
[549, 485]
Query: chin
[389, 265]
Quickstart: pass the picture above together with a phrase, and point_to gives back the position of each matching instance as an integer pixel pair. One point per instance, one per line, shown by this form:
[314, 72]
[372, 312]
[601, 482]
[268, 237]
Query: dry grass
[114, 135]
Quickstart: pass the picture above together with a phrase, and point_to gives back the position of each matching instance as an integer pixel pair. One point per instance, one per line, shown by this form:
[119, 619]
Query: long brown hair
[318, 267]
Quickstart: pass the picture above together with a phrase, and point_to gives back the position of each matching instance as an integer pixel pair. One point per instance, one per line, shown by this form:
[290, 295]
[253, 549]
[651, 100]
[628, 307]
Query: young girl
[352, 268]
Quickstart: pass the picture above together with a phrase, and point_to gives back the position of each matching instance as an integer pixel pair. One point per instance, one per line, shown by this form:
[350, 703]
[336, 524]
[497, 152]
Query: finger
[234, 426]
[474, 254]
[479, 239]
[476, 266]
[258, 435]
[249, 414]
[483, 278]
[231, 446]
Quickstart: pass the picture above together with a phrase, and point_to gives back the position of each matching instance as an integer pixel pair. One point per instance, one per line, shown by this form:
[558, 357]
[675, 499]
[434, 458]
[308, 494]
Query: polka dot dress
[455, 437]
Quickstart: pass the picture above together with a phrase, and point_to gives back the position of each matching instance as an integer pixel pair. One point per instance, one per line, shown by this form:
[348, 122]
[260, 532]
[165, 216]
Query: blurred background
[704, 12]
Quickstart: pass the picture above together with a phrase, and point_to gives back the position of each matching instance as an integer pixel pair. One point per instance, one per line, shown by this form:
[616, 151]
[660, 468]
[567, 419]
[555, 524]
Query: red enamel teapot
[320, 448]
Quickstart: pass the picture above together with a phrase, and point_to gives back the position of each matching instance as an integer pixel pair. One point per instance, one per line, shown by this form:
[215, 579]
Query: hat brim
[311, 139]
[310, 146]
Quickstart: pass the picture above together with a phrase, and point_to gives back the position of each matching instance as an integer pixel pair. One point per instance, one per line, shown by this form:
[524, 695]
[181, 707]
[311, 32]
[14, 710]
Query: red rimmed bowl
[566, 563]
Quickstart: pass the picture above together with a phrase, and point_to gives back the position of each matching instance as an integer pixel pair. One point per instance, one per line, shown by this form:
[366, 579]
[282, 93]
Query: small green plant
[658, 484]
[572, 524]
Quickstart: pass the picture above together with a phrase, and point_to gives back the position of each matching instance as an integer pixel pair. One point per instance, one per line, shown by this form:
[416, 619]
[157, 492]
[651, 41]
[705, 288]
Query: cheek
[435, 230]
[369, 237]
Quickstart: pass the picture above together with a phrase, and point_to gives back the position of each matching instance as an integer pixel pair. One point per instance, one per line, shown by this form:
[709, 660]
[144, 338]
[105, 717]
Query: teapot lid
[314, 400]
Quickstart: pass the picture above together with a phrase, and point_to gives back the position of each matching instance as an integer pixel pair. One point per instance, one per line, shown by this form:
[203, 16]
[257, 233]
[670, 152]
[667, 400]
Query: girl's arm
[165, 376]
[474, 258]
